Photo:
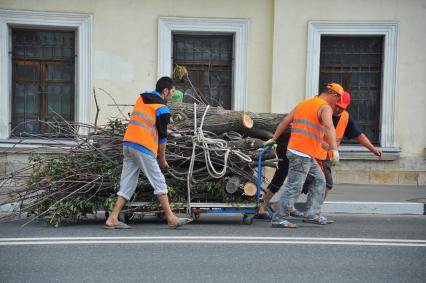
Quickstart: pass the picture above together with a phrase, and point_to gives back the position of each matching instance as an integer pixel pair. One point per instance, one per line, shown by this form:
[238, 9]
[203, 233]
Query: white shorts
[134, 161]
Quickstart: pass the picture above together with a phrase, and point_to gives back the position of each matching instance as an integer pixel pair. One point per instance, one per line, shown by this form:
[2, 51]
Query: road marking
[211, 240]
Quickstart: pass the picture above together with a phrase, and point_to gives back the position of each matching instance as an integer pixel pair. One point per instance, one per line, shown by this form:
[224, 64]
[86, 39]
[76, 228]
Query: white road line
[211, 240]
[208, 242]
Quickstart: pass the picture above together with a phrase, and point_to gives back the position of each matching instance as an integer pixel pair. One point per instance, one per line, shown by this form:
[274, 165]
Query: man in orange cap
[345, 126]
[311, 120]
[348, 128]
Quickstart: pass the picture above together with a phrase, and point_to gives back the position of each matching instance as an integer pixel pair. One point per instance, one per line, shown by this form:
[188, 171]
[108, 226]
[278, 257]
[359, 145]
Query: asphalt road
[357, 248]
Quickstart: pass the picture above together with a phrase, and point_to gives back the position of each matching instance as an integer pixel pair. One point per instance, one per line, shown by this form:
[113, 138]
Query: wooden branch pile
[218, 162]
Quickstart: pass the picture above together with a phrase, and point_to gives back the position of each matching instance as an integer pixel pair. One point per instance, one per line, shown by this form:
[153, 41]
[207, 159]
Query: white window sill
[14, 145]
[358, 152]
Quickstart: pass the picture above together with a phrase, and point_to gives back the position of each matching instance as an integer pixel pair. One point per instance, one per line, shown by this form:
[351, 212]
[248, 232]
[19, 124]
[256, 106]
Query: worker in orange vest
[144, 140]
[311, 120]
[345, 127]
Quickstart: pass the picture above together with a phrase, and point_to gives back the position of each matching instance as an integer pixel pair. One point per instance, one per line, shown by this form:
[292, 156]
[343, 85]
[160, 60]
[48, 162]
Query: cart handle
[259, 171]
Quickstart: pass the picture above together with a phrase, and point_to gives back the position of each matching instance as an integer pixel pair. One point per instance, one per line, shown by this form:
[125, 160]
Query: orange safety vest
[142, 126]
[307, 132]
[340, 131]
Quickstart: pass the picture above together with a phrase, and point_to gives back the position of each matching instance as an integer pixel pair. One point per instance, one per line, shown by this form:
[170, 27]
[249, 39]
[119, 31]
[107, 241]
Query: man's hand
[269, 142]
[336, 157]
[378, 153]
[163, 164]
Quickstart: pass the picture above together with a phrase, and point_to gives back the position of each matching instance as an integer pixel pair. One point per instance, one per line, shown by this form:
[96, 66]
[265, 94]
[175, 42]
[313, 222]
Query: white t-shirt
[298, 153]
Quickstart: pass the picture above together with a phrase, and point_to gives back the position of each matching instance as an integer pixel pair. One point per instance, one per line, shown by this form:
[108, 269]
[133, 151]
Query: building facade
[259, 56]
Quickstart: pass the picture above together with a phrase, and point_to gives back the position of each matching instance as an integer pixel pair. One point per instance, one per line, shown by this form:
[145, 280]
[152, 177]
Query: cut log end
[247, 121]
[250, 189]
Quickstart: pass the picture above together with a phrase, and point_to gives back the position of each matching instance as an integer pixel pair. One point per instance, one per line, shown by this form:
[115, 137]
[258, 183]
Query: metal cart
[195, 209]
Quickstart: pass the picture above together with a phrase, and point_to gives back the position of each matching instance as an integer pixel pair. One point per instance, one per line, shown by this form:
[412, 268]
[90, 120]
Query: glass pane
[208, 59]
[356, 63]
[43, 44]
[26, 72]
[25, 127]
[26, 98]
[59, 100]
[59, 72]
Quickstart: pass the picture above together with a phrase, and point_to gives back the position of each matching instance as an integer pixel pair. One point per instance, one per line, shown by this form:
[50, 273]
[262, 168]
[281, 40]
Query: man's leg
[113, 217]
[298, 170]
[172, 220]
[152, 171]
[316, 190]
[277, 180]
[128, 182]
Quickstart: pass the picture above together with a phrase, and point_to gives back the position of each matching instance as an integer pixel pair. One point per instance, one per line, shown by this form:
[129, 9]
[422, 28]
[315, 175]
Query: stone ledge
[380, 177]
[357, 152]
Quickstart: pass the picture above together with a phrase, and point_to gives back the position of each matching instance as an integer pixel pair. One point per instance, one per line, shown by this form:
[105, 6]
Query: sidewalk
[368, 199]
[374, 199]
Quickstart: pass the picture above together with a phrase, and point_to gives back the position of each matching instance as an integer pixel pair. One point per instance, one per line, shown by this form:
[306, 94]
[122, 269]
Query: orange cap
[335, 87]
[344, 101]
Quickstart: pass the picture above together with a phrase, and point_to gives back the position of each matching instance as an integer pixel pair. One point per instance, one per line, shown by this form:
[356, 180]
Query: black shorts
[327, 173]
[282, 170]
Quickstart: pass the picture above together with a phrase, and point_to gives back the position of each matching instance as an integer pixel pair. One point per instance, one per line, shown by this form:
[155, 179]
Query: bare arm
[283, 125]
[162, 156]
[325, 114]
[362, 139]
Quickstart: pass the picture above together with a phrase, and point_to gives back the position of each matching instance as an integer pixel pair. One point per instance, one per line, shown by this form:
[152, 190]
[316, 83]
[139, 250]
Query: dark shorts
[327, 173]
[282, 170]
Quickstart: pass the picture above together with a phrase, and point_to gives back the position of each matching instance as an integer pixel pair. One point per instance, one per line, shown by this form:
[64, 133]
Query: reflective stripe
[305, 132]
[337, 140]
[309, 123]
[139, 123]
[142, 115]
[326, 146]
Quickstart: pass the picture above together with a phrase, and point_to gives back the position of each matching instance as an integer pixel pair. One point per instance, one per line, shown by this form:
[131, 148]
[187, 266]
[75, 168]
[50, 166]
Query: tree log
[219, 120]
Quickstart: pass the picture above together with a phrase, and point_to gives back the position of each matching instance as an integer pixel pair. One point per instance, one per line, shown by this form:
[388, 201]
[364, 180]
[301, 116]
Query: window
[384, 85]
[208, 59]
[78, 24]
[43, 81]
[237, 28]
[356, 63]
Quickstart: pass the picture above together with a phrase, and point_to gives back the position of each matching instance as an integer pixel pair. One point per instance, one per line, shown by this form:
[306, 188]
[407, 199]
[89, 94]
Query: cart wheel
[128, 216]
[195, 216]
[160, 215]
[248, 219]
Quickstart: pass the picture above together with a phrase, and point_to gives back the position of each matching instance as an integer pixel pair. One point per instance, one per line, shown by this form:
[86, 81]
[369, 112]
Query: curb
[392, 208]
[395, 208]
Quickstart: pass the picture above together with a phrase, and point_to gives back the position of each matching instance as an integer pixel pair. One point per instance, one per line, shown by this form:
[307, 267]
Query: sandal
[323, 218]
[316, 220]
[296, 214]
[181, 222]
[119, 225]
[265, 216]
[283, 224]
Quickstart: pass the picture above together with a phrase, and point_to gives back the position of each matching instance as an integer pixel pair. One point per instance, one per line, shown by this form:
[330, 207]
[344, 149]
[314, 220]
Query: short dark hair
[164, 82]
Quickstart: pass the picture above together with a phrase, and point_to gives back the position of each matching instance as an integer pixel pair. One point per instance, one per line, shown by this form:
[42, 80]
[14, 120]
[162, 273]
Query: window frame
[238, 27]
[388, 29]
[82, 25]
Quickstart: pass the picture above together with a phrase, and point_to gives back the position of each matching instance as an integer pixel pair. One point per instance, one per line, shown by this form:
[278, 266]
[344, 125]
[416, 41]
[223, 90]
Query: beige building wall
[289, 73]
[124, 58]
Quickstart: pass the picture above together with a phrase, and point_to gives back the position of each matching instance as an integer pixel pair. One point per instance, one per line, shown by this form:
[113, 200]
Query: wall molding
[389, 29]
[238, 27]
[82, 24]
